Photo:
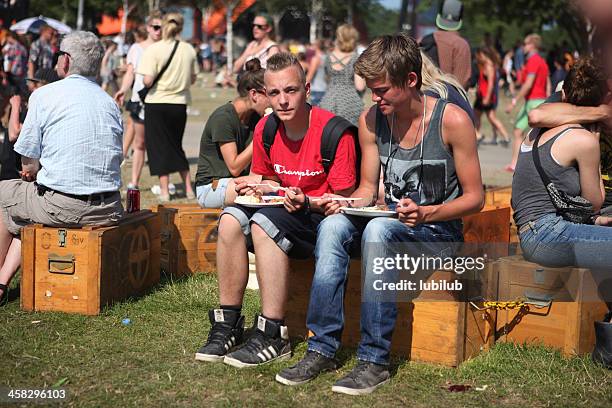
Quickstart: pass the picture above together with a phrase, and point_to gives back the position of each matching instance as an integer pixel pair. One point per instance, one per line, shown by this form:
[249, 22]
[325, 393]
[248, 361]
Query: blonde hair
[435, 80]
[346, 38]
[172, 25]
[534, 39]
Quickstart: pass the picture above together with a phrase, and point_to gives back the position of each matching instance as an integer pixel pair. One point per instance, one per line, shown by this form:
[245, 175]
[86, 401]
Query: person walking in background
[316, 73]
[262, 47]
[344, 86]
[226, 147]
[445, 47]
[10, 162]
[166, 103]
[535, 89]
[487, 94]
[109, 63]
[145, 37]
[560, 72]
[41, 51]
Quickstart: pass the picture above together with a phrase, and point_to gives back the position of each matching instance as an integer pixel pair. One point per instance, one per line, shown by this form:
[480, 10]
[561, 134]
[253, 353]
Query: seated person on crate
[427, 148]
[70, 144]
[226, 147]
[287, 153]
[573, 158]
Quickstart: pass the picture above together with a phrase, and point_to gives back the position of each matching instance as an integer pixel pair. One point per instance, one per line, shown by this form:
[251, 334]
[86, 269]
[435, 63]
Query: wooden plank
[28, 246]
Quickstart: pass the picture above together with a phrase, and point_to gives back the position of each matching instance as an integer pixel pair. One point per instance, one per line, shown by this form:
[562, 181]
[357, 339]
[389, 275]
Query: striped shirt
[75, 129]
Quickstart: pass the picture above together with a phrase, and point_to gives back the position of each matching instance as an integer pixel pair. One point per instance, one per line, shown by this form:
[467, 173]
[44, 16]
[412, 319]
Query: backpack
[332, 133]
[430, 48]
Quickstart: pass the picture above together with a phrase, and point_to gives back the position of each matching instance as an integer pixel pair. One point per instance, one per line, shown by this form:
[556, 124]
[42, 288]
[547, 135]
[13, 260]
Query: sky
[391, 4]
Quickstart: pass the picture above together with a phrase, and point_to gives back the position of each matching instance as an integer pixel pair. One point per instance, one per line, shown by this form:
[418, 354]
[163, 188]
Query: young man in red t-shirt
[535, 90]
[275, 234]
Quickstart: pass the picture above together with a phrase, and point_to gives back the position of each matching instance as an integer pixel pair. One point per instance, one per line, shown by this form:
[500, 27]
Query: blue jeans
[340, 236]
[552, 241]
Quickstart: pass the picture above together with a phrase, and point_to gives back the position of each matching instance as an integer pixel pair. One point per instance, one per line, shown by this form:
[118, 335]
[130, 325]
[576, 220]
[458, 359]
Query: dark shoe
[602, 354]
[504, 143]
[5, 294]
[269, 342]
[364, 379]
[226, 332]
[306, 369]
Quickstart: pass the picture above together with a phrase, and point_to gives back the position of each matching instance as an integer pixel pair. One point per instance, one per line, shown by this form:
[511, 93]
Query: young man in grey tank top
[414, 135]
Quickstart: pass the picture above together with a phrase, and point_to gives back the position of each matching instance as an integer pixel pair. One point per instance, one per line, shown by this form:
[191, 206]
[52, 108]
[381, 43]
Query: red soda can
[133, 200]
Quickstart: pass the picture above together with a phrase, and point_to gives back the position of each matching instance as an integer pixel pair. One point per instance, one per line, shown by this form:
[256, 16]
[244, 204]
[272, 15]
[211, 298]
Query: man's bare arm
[458, 132]
[549, 115]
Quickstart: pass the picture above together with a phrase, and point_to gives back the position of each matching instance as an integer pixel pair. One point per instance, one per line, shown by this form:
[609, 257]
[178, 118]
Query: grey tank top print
[402, 167]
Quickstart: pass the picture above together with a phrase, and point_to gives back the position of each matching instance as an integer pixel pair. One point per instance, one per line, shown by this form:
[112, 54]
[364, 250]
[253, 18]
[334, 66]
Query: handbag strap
[176, 43]
[536, 155]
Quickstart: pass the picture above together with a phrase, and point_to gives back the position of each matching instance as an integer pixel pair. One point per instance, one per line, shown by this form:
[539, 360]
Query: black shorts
[294, 233]
[478, 105]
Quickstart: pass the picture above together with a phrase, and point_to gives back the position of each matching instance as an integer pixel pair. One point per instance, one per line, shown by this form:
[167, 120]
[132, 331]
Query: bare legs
[139, 152]
[233, 262]
[10, 255]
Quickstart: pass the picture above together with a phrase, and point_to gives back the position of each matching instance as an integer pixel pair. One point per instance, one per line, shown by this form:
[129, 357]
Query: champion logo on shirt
[280, 169]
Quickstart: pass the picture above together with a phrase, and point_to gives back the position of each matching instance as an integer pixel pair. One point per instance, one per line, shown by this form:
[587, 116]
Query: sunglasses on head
[60, 53]
[155, 27]
[260, 26]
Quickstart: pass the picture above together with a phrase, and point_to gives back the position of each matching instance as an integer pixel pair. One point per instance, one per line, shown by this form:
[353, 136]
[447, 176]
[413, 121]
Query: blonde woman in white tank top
[262, 47]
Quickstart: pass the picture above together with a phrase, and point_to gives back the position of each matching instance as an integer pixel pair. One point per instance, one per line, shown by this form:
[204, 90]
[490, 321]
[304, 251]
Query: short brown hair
[586, 82]
[395, 56]
[346, 38]
[282, 60]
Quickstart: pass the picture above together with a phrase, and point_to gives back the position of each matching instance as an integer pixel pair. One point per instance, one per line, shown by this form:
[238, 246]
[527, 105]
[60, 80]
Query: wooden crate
[81, 270]
[499, 196]
[437, 327]
[567, 324]
[189, 238]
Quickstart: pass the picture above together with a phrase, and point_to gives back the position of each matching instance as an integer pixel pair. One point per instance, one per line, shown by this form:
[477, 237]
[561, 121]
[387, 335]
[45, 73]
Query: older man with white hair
[71, 148]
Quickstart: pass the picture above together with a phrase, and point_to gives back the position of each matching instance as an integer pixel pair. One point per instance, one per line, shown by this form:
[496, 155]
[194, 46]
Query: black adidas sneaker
[269, 342]
[226, 333]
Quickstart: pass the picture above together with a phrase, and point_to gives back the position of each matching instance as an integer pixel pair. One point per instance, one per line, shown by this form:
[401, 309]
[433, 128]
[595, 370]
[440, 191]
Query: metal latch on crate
[62, 264]
[61, 238]
[539, 300]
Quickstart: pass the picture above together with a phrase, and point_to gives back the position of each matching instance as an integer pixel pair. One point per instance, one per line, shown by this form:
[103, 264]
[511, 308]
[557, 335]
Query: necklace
[391, 155]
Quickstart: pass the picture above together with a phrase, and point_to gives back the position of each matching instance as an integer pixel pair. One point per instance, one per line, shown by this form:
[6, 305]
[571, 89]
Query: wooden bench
[188, 238]
[566, 305]
[79, 270]
[435, 328]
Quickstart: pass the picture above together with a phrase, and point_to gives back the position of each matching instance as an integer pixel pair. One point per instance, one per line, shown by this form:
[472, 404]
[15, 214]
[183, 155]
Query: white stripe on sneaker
[267, 354]
[261, 356]
[274, 353]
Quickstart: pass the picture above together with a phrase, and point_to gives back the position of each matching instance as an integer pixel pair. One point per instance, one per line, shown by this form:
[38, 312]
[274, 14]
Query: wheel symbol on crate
[136, 250]
[207, 243]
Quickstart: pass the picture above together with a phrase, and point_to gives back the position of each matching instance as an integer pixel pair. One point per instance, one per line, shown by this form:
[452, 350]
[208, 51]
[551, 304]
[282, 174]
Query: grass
[150, 362]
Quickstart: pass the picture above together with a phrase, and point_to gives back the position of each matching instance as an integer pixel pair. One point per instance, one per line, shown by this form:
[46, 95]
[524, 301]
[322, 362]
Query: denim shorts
[212, 198]
[294, 233]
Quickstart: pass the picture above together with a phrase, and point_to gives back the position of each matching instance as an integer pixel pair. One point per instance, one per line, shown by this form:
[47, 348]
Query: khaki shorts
[21, 205]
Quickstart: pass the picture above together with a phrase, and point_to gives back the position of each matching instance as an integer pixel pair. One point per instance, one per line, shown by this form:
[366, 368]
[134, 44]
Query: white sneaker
[156, 189]
[171, 189]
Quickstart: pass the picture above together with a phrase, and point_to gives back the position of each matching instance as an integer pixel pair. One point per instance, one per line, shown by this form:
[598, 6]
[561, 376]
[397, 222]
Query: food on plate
[257, 199]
